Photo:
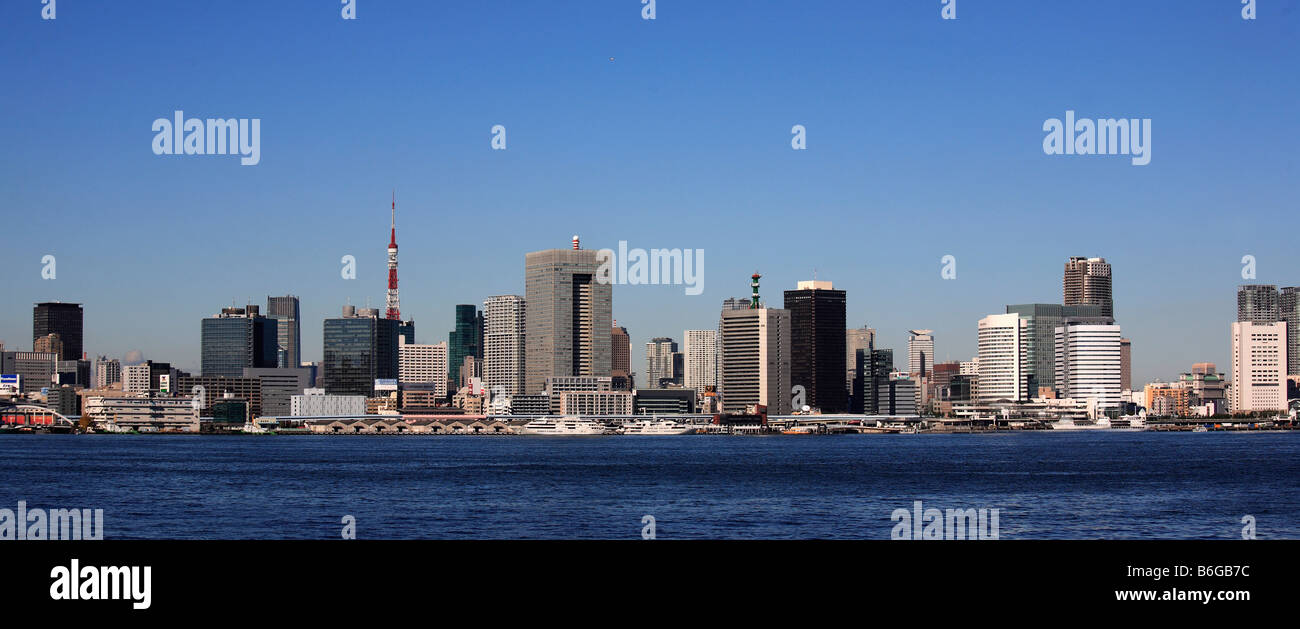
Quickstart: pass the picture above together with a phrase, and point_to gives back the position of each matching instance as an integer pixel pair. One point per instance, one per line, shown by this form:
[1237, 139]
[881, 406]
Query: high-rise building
[1257, 303]
[1088, 364]
[1041, 321]
[659, 362]
[464, 340]
[48, 344]
[1258, 366]
[135, 378]
[1088, 281]
[1003, 362]
[503, 344]
[854, 340]
[423, 364]
[817, 341]
[1289, 311]
[620, 358]
[107, 371]
[701, 351]
[871, 376]
[35, 370]
[359, 348]
[277, 386]
[754, 367]
[920, 352]
[237, 338]
[285, 311]
[1125, 365]
[568, 317]
[55, 317]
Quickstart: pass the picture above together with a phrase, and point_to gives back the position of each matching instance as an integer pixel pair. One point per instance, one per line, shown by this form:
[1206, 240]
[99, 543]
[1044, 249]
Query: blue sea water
[1077, 485]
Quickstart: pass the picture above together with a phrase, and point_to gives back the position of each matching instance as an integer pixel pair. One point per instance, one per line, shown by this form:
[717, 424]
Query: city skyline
[689, 124]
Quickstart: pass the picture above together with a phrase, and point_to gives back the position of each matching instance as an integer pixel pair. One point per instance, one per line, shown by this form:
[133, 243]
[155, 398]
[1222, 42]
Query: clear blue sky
[924, 139]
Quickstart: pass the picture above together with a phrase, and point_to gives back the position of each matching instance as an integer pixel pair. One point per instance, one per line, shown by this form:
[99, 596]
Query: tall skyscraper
[237, 338]
[569, 316]
[1003, 364]
[1289, 311]
[360, 347]
[920, 352]
[463, 341]
[659, 362]
[1088, 281]
[817, 342]
[854, 340]
[503, 344]
[1088, 364]
[107, 372]
[1258, 366]
[701, 352]
[56, 317]
[286, 313]
[754, 365]
[755, 362]
[620, 358]
[1041, 321]
[1258, 303]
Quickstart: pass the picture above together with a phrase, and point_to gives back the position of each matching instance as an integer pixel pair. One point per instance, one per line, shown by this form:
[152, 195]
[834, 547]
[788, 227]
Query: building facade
[621, 358]
[1088, 363]
[359, 348]
[568, 317]
[754, 366]
[1289, 312]
[64, 319]
[504, 318]
[817, 342]
[286, 312]
[1257, 303]
[659, 362]
[423, 364]
[701, 357]
[1087, 281]
[1003, 361]
[1258, 366]
[237, 338]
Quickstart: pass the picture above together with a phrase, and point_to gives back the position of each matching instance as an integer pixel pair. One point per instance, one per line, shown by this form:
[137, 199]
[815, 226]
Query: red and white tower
[394, 310]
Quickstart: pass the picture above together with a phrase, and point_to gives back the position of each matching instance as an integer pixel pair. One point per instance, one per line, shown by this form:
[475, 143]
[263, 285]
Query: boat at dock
[563, 426]
[651, 427]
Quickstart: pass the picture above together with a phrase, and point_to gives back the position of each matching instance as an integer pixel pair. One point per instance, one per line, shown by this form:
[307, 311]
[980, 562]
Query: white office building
[503, 344]
[701, 359]
[135, 378]
[315, 403]
[755, 360]
[1258, 366]
[1003, 346]
[920, 349]
[422, 364]
[1088, 364]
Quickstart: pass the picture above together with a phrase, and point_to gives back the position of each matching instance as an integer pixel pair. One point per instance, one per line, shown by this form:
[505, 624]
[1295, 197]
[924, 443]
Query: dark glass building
[358, 350]
[465, 340]
[817, 344]
[871, 376]
[56, 317]
[235, 339]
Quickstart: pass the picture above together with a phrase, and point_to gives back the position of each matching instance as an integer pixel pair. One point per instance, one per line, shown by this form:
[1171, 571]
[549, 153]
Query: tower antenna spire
[394, 309]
